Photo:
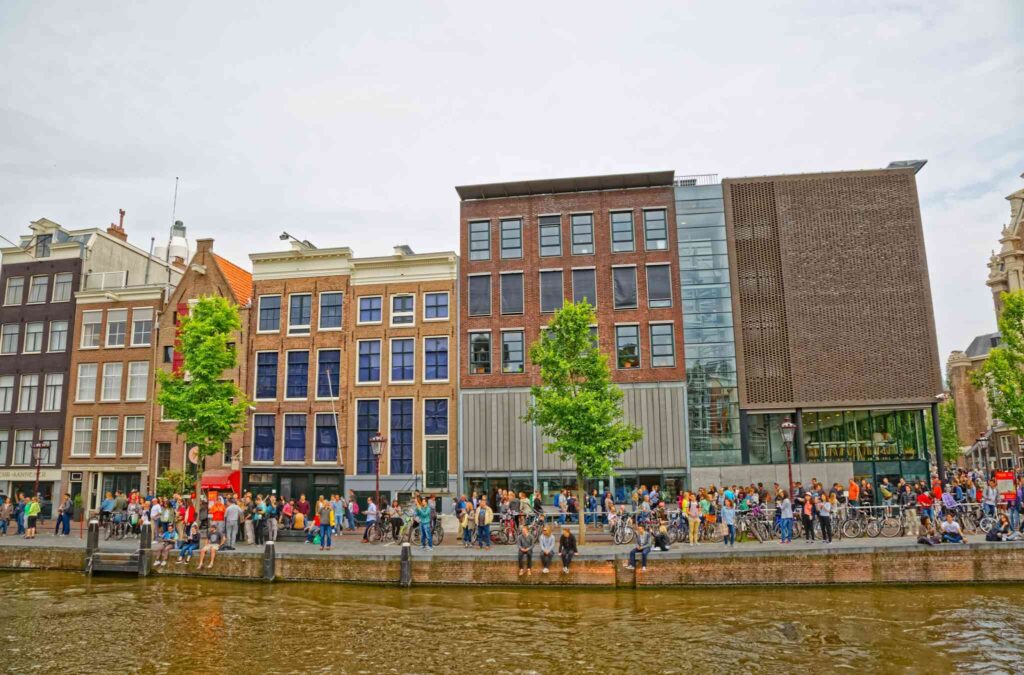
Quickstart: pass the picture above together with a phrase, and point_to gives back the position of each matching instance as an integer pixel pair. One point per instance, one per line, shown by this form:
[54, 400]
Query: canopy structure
[222, 480]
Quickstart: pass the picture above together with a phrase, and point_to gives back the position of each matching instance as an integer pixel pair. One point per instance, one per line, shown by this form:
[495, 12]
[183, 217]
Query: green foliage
[948, 431]
[1002, 374]
[174, 482]
[208, 408]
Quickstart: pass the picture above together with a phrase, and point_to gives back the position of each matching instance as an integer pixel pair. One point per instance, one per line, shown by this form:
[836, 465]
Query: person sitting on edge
[567, 548]
[641, 546]
[661, 539]
[213, 541]
[525, 544]
[951, 532]
[190, 546]
[1002, 531]
[168, 540]
[547, 549]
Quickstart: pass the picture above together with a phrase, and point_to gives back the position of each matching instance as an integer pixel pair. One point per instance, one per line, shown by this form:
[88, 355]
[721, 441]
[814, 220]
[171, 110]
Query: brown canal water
[63, 622]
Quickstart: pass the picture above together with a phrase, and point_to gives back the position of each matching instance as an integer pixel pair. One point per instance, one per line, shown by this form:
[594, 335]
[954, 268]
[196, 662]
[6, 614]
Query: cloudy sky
[350, 126]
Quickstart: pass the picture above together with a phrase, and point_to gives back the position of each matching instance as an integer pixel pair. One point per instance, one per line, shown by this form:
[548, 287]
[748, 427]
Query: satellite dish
[193, 454]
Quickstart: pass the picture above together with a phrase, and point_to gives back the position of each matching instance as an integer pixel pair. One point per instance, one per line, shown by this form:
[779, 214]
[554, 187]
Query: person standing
[989, 499]
[6, 512]
[339, 506]
[825, 518]
[547, 549]
[467, 523]
[693, 516]
[484, 518]
[525, 543]
[31, 516]
[807, 513]
[371, 518]
[729, 520]
[785, 519]
[908, 503]
[567, 548]
[423, 516]
[326, 515]
[19, 511]
[351, 511]
[64, 511]
[232, 521]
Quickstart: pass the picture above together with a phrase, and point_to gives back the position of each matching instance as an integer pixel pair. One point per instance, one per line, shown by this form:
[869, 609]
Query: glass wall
[712, 396]
[863, 435]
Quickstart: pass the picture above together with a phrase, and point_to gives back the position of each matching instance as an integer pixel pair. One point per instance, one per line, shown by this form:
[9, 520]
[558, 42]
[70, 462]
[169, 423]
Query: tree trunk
[581, 509]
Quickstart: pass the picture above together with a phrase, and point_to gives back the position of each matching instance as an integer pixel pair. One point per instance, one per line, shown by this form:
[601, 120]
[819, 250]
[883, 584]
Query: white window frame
[359, 311]
[391, 353]
[103, 382]
[99, 435]
[319, 311]
[56, 282]
[141, 432]
[99, 334]
[106, 332]
[49, 338]
[42, 333]
[47, 385]
[145, 382]
[31, 285]
[284, 439]
[16, 332]
[300, 329]
[448, 351]
[28, 455]
[316, 374]
[252, 449]
[287, 367]
[256, 373]
[152, 324]
[8, 405]
[448, 304]
[380, 375]
[259, 311]
[7, 292]
[78, 381]
[76, 430]
[21, 394]
[392, 314]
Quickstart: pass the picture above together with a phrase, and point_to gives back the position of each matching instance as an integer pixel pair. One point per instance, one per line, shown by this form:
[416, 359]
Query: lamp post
[788, 431]
[983, 440]
[37, 455]
[377, 445]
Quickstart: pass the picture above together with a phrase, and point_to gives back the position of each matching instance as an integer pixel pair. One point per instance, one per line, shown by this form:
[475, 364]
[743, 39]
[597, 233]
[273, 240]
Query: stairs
[115, 563]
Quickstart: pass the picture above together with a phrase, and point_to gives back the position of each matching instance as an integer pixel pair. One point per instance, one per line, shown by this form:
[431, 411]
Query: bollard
[405, 576]
[146, 536]
[145, 549]
[268, 561]
[92, 544]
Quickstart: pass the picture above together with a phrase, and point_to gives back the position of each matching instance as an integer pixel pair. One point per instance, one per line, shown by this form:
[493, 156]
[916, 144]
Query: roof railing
[696, 179]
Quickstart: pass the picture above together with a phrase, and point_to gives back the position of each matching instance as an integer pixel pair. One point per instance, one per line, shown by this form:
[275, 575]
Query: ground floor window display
[620, 485]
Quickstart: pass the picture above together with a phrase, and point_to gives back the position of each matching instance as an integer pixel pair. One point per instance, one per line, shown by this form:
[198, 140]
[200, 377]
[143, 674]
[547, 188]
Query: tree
[208, 408]
[947, 431]
[577, 405]
[1002, 374]
[173, 482]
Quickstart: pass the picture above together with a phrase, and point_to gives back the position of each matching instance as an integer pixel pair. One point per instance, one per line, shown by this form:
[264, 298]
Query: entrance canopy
[223, 480]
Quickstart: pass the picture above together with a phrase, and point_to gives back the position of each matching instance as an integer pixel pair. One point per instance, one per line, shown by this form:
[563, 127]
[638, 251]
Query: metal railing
[696, 179]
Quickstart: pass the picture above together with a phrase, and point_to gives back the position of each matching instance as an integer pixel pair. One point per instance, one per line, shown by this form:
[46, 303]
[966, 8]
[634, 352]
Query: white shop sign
[30, 474]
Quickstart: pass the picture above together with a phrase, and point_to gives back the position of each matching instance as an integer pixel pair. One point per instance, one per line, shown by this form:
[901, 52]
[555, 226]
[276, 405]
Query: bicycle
[116, 527]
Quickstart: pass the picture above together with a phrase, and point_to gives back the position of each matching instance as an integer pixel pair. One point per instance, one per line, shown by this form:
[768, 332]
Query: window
[480, 295]
[168, 353]
[23, 446]
[43, 242]
[328, 382]
[112, 373]
[659, 286]
[297, 375]
[49, 454]
[163, 458]
[37, 289]
[86, 392]
[663, 347]
[227, 454]
[81, 437]
[479, 241]
[4, 441]
[435, 358]
[33, 337]
[106, 444]
[583, 234]
[403, 357]
[29, 395]
[624, 287]
[266, 375]
[367, 424]
[138, 380]
[117, 326]
[326, 438]
[401, 435]
[551, 292]
[480, 353]
[584, 286]
[627, 346]
[550, 235]
[330, 310]
[369, 361]
[655, 230]
[437, 464]
[9, 338]
[512, 293]
[512, 351]
[263, 438]
[6, 393]
[300, 313]
[270, 313]
[58, 336]
[622, 232]
[134, 435]
[53, 391]
[142, 326]
[435, 417]
[15, 291]
[370, 309]
[92, 323]
[61, 287]
[294, 438]
[435, 306]
[403, 310]
[511, 238]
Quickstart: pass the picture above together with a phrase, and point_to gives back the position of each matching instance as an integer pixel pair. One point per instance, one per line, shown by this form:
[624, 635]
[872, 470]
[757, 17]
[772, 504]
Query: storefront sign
[30, 474]
[1004, 483]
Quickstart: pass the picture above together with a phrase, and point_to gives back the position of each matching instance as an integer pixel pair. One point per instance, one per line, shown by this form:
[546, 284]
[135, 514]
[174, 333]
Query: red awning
[222, 480]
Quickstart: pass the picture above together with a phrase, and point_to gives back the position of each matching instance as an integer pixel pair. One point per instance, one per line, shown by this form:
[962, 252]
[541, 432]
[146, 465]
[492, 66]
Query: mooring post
[92, 544]
[405, 576]
[145, 549]
[269, 553]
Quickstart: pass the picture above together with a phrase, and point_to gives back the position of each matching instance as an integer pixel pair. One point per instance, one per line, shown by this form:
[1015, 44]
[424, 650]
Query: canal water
[62, 622]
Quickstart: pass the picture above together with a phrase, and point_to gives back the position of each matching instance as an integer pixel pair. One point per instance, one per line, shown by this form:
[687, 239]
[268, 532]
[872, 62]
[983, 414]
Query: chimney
[204, 245]
[118, 230]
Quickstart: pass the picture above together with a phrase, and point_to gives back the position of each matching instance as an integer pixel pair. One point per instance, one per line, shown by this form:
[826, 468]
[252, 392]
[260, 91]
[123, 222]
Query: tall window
[112, 374]
[512, 238]
[435, 417]
[5, 439]
[297, 376]
[300, 313]
[367, 424]
[480, 295]
[117, 327]
[49, 454]
[551, 292]
[61, 287]
[328, 381]
[479, 240]
[512, 293]
[37, 289]
[624, 287]
[134, 435]
[659, 286]
[435, 306]
[6, 393]
[106, 443]
[263, 438]
[142, 326]
[58, 336]
[138, 380]
[370, 309]
[435, 357]
[15, 291]
[512, 351]
[86, 392]
[326, 438]
[330, 310]
[266, 375]
[23, 446]
[163, 458]
[29, 395]
[401, 435]
[663, 345]
[270, 313]
[627, 346]
[403, 310]
[81, 437]
[479, 353]
[403, 357]
[369, 361]
[655, 230]
[584, 286]
[33, 337]
[582, 234]
[53, 390]
[9, 338]
[550, 235]
[92, 323]
[294, 438]
[622, 232]
[43, 242]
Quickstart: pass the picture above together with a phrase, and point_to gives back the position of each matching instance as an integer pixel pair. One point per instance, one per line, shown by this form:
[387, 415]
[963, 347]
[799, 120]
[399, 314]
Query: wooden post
[405, 577]
[269, 553]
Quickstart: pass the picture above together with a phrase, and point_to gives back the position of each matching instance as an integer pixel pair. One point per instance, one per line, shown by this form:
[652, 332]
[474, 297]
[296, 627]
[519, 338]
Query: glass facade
[710, 350]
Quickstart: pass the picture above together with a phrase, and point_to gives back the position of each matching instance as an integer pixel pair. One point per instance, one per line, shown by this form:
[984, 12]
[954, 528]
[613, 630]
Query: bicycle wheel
[438, 535]
[375, 534]
[874, 528]
[760, 531]
[891, 527]
[108, 531]
[415, 538]
[987, 523]
[852, 529]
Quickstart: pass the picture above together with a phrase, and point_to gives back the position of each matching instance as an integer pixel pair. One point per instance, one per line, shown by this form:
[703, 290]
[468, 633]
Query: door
[294, 486]
[437, 465]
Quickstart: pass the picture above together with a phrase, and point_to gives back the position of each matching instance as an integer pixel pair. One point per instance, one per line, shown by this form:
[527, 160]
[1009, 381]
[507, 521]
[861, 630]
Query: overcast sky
[352, 126]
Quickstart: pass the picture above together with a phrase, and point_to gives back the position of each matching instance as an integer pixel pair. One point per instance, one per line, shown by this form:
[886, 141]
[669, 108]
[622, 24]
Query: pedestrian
[31, 516]
[64, 515]
[395, 514]
[214, 539]
[272, 518]
[785, 519]
[371, 518]
[825, 518]
[951, 532]
[423, 516]
[729, 521]
[6, 513]
[990, 498]
[484, 518]
[525, 543]
[19, 511]
[352, 511]
[168, 542]
[190, 545]
[339, 506]
[303, 507]
[326, 515]
[467, 523]
[807, 517]
[232, 522]
[547, 549]
[259, 521]
[642, 545]
[693, 516]
[567, 548]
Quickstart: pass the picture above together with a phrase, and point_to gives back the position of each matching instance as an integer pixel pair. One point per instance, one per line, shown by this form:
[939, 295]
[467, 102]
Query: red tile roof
[239, 280]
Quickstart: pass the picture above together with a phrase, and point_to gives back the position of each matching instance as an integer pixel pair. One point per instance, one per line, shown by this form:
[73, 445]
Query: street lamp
[983, 441]
[788, 432]
[377, 445]
[37, 455]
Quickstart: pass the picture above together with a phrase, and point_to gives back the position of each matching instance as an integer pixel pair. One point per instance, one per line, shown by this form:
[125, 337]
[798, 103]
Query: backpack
[355, 507]
[886, 493]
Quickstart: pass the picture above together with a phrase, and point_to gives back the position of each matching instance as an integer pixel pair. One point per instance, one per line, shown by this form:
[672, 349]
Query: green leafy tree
[173, 482]
[947, 430]
[208, 408]
[1002, 374]
[577, 406]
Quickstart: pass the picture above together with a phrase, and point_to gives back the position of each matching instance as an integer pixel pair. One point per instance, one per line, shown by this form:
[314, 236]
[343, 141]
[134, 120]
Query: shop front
[621, 485]
[23, 481]
[290, 483]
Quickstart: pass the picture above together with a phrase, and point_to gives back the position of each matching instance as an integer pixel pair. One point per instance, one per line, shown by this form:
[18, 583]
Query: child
[168, 540]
